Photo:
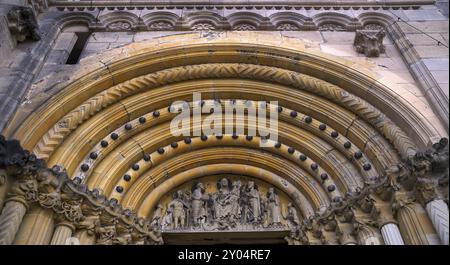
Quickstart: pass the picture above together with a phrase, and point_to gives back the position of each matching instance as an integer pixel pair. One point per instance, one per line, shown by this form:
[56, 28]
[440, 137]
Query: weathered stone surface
[375, 110]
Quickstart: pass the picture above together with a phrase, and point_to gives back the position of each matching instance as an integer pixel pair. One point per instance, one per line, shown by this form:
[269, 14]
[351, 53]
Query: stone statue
[233, 206]
[199, 203]
[221, 200]
[235, 197]
[166, 222]
[273, 207]
[178, 208]
[157, 216]
[252, 203]
[292, 216]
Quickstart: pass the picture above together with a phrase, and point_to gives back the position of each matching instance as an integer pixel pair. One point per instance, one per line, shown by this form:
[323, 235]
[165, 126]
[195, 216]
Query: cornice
[243, 5]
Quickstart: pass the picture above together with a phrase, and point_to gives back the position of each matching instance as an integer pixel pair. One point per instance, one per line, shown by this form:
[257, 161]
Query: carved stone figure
[222, 200]
[273, 207]
[252, 203]
[235, 197]
[292, 216]
[157, 216]
[167, 219]
[178, 206]
[232, 206]
[198, 203]
[369, 42]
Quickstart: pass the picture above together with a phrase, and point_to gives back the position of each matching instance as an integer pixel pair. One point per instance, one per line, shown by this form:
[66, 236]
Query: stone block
[390, 63]
[422, 39]
[65, 41]
[424, 15]
[127, 37]
[339, 50]
[444, 88]
[337, 37]
[440, 76]
[103, 37]
[425, 26]
[313, 36]
[436, 64]
[432, 52]
[57, 57]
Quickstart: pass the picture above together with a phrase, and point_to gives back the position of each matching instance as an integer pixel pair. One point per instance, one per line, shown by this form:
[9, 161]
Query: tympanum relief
[225, 203]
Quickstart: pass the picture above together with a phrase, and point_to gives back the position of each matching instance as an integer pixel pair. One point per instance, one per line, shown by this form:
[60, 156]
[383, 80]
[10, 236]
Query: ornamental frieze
[225, 203]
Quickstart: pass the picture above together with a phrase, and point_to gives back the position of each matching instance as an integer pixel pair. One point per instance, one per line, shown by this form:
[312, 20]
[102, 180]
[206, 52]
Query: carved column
[430, 178]
[438, 212]
[36, 228]
[389, 228]
[11, 218]
[63, 231]
[391, 234]
[368, 235]
[414, 223]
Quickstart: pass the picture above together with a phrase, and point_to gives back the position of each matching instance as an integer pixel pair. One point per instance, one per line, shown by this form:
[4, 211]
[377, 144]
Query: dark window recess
[77, 49]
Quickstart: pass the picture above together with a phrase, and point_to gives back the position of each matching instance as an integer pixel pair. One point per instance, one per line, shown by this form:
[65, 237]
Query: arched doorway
[341, 130]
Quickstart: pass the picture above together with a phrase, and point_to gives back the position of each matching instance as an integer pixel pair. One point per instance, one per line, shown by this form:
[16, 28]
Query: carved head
[224, 182]
[178, 194]
[200, 186]
[250, 184]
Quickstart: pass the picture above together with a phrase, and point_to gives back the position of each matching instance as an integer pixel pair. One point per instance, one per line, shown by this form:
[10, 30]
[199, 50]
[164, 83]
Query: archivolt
[300, 81]
[145, 79]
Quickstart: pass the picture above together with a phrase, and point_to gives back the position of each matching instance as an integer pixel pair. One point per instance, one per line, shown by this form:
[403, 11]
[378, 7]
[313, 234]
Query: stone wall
[409, 65]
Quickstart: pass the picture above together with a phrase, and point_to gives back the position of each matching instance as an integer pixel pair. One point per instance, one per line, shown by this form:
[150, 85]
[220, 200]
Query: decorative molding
[287, 27]
[69, 199]
[252, 4]
[203, 27]
[161, 25]
[244, 27]
[372, 115]
[119, 26]
[331, 27]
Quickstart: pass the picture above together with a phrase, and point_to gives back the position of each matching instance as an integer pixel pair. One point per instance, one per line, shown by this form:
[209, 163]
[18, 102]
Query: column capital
[402, 199]
[430, 172]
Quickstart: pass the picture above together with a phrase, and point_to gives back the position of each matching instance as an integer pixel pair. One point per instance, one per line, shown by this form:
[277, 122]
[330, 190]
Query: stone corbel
[369, 42]
[23, 24]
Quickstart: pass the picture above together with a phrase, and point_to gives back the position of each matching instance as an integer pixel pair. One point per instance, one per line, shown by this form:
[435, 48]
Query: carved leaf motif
[287, 27]
[161, 25]
[119, 25]
[331, 27]
[203, 26]
[244, 27]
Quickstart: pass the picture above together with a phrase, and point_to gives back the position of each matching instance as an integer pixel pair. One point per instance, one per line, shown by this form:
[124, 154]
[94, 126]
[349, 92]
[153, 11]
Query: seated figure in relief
[222, 201]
